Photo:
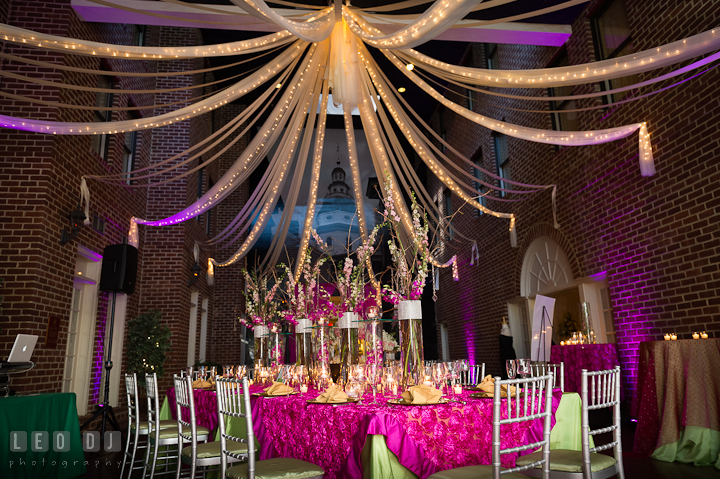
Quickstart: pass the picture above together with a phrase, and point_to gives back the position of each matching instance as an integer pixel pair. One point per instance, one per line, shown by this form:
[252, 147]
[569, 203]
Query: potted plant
[147, 344]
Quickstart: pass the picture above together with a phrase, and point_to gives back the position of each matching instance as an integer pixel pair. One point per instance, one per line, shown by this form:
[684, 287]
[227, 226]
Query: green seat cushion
[212, 449]
[277, 468]
[173, 432]
[473, 472]
[565, 460]
[164, 424]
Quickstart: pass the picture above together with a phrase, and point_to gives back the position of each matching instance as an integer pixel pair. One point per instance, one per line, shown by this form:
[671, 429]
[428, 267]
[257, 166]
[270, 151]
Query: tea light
[427, 381]
[562, 343]
[457, 389]
[250, 382]
[696, 335]
[667, 336]
[303, 388]
[394, 389]
[704, 335]
[673, 336]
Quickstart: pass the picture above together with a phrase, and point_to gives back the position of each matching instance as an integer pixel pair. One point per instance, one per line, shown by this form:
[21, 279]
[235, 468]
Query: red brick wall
[656, 238]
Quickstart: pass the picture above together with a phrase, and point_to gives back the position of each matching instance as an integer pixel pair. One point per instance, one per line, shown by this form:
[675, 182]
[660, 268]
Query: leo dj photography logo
[60, 441]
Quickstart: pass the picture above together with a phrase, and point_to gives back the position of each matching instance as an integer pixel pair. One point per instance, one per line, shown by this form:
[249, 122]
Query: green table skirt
[379, 461]
[697, 445]
[43, 412]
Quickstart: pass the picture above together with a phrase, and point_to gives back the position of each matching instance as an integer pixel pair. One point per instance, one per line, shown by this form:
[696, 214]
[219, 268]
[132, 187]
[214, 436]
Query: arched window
[329, 241]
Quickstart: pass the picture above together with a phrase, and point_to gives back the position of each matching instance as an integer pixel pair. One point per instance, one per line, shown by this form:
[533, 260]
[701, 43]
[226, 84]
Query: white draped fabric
[316, 29]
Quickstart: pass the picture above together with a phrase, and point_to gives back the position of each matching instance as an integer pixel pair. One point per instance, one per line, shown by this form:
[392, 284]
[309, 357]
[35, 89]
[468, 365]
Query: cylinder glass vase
[321, 351]
[262, 357]
[373, 343]
[348, 327]
[412, 358]
[277, 348]
[303, 342]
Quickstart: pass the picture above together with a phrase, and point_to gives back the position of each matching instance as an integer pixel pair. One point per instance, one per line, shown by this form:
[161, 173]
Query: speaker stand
[104, 408]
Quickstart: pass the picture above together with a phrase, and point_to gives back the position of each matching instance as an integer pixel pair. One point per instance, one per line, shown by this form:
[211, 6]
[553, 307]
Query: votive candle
[303, 388]
[457, 389]
[667, 336]
[696, 335]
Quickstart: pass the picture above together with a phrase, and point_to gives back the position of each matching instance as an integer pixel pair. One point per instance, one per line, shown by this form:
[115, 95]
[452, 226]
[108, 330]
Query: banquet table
[593, 357]
[50, 413]
[380, 440]
[677, 401]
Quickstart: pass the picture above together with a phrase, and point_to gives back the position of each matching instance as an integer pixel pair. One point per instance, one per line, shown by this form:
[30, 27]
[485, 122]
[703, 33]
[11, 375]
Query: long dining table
[383, 440]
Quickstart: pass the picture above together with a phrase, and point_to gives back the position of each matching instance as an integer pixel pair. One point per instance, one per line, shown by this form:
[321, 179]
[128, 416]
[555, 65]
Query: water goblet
[203, 372]
[511, 368]
[439, 375]
[228, 372]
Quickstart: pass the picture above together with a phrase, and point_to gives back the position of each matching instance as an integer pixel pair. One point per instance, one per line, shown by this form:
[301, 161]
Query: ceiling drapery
[338, 59]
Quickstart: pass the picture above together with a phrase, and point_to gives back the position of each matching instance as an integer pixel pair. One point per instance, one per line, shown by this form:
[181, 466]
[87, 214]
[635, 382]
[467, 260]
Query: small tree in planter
[148, 341]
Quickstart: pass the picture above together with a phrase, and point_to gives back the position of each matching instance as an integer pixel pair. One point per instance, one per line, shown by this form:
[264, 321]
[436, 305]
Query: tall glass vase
[277, 348]
[262, 356]
[348, 326]
[412, 358]
[303, 342]
[321, 352]
[373, 343]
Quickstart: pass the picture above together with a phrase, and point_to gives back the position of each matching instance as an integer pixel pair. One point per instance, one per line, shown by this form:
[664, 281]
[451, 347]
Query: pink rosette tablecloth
[206, 411]
[425, 439]
[593, 357]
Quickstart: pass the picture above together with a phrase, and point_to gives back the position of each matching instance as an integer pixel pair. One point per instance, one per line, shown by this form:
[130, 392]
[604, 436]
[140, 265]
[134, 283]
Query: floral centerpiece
[411, 259]
[263, 315]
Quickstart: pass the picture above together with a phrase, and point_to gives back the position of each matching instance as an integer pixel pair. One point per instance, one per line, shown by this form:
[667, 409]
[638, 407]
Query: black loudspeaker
[119, 269]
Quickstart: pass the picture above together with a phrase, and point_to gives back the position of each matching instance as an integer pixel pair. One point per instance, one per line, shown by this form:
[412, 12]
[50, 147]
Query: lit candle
[704, 335]
[394, 389]
[696, 335]
[562, 343]
[673, 336]
[457, 389]
[303, 388]
[667, 336]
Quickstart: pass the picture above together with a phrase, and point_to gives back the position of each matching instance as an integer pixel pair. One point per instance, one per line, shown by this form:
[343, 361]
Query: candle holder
[673, 337]
[667, 336]
[704, 335]
[696, 335]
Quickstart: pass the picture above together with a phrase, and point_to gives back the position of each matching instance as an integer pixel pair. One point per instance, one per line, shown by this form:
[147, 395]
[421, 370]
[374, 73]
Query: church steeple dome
[338, 188]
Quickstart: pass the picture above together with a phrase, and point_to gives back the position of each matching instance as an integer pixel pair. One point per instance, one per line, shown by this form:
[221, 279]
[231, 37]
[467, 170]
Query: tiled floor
[107, 466]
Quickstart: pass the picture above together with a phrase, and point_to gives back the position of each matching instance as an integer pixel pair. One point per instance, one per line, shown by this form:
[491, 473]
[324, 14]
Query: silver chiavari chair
[541, 368]
[533, 403]
[234, 401]
[197, 454]
[604, 392]
[157, 436]
[136, 427]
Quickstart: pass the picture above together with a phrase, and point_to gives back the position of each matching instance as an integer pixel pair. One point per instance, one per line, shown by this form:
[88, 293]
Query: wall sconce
[196, 269]
[77, 218]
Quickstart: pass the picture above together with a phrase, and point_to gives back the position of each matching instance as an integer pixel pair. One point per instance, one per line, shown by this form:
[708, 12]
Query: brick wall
[656, 238]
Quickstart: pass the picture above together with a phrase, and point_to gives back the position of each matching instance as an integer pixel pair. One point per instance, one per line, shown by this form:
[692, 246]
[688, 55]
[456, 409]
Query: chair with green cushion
[197, 454]
[534, 403]
[157, 436]
[231, 398]
[587, 464]
[136, 428]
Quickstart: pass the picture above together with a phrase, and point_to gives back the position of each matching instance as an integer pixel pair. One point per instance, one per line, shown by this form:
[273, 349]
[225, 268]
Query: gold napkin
[278, 389]
[333, 394]
[199, 384]
[488, 387]
[421, 395]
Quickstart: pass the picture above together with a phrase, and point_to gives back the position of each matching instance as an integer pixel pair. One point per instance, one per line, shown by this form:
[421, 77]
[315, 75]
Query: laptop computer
[23, 348]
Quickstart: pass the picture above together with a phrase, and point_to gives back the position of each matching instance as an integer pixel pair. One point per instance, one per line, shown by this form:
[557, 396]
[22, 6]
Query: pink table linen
[593, 357]
[426, 439]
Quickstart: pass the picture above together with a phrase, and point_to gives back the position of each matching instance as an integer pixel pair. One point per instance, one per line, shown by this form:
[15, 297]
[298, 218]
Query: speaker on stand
[118, 275]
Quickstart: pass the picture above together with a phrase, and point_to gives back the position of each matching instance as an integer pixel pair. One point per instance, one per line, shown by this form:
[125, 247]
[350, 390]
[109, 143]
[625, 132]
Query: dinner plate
[347, 401]
[266, 395]
[400, 402]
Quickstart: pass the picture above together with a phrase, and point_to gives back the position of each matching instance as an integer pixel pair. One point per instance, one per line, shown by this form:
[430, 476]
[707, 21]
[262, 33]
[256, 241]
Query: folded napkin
[333, 394]
[199, 384]
[421, 395]
[278, 389]
[488, 386]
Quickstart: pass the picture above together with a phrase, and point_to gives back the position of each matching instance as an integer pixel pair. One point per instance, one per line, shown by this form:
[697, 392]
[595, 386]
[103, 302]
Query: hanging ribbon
[474, 254]
[85, 199]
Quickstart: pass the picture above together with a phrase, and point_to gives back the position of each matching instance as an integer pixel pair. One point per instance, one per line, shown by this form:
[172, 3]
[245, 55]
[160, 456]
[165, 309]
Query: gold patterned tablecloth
[678, 389]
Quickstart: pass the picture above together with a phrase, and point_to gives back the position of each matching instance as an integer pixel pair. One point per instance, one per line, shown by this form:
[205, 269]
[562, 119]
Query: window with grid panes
[448, 213]
[612, 39]
[563, 121]
[129, 148]
[101, 143]
[502, 160]
[477, 185]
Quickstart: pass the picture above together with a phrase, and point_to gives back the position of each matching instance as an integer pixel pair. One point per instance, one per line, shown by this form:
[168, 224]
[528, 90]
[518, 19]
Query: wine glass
[439, 375]
[452, 374]
[203, 372]
[511, 368]
[523, 367]
[372, 372]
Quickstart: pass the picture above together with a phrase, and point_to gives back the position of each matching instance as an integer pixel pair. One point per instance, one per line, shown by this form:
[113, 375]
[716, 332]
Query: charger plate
[266, 395]
[347, 401]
